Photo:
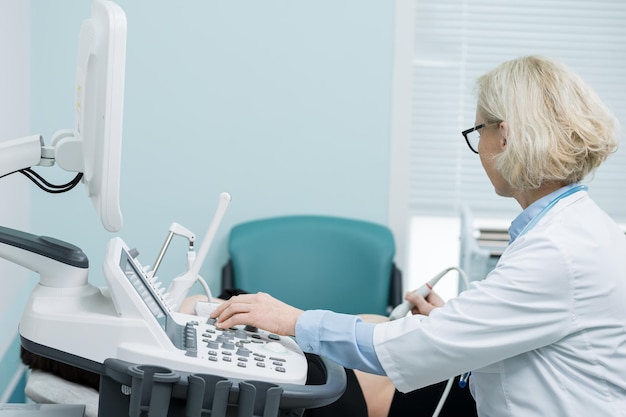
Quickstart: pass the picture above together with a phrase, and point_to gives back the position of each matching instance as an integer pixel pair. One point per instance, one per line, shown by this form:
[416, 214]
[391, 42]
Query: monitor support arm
[66, 150]
[58, 263]
[23, 153]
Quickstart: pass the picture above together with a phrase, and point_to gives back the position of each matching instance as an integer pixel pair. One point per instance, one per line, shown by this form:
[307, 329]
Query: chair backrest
[316, 262]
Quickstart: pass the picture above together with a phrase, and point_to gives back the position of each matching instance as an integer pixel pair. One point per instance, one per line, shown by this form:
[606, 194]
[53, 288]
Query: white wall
[14, 192]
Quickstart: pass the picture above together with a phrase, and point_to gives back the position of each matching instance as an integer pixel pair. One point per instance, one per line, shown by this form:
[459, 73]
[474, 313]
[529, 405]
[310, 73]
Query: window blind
[459, 40]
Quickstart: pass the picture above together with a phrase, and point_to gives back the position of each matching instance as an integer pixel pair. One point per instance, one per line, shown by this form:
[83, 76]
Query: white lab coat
[544, 334]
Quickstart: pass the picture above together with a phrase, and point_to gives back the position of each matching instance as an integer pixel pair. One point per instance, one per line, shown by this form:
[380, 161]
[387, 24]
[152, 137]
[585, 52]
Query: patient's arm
[188, 305]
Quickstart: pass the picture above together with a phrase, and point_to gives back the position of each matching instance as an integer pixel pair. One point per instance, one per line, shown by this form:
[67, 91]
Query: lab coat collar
[535, 209]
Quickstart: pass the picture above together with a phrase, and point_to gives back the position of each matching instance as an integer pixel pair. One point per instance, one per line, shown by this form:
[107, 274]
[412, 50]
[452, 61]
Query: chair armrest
[395, 288]
[227, 276]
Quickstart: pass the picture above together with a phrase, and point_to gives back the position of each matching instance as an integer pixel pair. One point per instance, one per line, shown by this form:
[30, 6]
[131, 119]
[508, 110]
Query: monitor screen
[139, 281]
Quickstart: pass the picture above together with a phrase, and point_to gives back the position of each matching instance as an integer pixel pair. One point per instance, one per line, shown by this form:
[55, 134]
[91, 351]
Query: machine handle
[46, 246]
[59, 264]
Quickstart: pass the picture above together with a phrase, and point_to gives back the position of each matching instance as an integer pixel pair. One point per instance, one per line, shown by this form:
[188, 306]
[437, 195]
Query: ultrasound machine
[152, 359]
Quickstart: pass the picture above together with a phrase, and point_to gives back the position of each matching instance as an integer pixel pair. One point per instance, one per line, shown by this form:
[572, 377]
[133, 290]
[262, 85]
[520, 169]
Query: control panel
[197, 345]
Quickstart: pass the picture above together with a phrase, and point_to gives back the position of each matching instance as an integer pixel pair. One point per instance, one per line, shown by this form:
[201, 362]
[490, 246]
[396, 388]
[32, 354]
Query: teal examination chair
[316, 262]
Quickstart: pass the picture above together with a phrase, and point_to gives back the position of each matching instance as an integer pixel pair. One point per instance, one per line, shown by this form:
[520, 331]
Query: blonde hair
[558, 129]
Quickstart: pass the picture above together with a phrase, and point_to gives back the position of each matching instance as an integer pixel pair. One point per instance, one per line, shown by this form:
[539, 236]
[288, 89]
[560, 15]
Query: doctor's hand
[259, 310]
[424, 305]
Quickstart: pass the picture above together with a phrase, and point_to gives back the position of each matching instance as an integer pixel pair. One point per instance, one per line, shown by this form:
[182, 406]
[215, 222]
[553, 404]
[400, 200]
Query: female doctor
[545, 333]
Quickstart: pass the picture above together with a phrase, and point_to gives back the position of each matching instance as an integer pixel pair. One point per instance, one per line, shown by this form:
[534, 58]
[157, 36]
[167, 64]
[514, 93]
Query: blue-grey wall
[284, 104]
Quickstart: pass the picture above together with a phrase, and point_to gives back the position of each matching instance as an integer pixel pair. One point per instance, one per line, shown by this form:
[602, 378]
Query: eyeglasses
[472, 137]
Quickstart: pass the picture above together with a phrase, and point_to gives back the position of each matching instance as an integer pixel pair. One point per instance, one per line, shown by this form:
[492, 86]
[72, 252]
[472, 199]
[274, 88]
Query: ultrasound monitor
[94, 146]
[99, 106]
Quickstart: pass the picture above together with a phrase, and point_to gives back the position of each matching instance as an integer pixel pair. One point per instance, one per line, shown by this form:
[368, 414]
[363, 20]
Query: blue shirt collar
[526, 216]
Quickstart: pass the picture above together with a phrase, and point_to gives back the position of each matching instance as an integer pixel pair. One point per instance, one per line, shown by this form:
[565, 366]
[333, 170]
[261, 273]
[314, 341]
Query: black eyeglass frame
[468, 131]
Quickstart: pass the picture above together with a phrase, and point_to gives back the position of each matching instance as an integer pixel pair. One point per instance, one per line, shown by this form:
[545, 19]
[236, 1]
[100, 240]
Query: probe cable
[448, 387]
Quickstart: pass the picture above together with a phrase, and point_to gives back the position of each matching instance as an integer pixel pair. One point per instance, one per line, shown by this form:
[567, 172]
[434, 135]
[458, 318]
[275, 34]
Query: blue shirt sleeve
[342, 338]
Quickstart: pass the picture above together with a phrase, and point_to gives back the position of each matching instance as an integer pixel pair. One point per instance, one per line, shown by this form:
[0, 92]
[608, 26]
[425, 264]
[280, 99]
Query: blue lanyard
[547, 208]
